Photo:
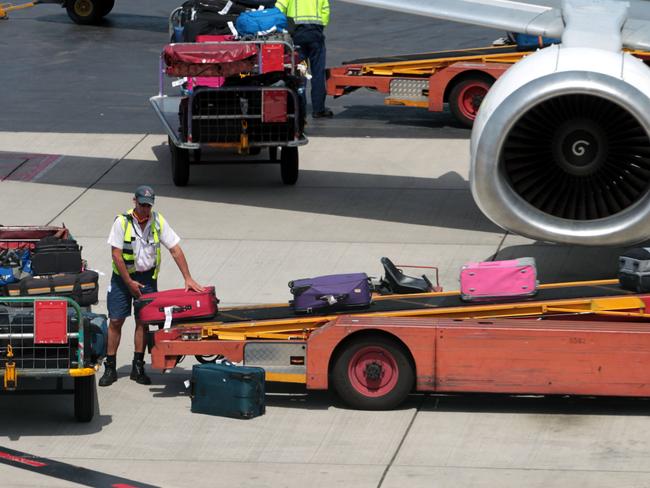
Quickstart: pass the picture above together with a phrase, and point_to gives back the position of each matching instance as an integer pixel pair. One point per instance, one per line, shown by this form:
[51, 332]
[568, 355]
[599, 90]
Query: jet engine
[560, 149]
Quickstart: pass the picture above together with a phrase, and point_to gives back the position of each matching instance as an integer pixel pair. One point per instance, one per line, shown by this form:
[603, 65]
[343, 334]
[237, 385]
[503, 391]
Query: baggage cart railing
[292, 66]
[27, 346]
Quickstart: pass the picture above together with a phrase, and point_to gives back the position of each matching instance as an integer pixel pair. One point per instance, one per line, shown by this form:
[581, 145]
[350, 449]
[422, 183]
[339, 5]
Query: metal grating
[405, 89]
[219, 116]
[17, 330]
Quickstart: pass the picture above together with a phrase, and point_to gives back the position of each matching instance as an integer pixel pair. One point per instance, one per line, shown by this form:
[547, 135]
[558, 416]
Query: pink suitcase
[498, 279]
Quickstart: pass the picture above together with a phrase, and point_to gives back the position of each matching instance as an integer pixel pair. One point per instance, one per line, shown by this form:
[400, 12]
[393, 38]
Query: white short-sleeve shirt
[144, 249]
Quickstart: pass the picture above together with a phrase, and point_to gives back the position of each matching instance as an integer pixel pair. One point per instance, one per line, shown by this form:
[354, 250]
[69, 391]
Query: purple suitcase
[330, 293]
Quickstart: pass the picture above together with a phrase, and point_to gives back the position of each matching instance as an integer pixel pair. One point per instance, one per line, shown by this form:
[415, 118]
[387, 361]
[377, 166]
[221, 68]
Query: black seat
[399, 283]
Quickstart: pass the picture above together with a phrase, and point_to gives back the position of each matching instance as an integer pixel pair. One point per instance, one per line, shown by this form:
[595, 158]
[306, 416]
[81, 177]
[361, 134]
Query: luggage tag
[168, 317]
[226, 8]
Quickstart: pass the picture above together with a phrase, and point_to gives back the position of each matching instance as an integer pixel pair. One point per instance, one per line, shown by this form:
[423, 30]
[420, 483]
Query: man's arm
[134, 286]
[179, 256]
[325, 12]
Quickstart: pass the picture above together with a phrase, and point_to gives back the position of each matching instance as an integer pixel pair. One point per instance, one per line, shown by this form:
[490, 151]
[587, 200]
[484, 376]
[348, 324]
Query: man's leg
[118, 302]
[114, 333]
[138, 373]
[317, 55]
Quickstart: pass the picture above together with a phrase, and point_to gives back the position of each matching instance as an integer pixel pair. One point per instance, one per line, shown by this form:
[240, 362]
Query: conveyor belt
[441, 55]
[395, 303]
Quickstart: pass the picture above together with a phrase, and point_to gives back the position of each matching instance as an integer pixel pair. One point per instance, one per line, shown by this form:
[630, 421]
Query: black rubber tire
[456, 91]
[180, 164]
[84, 398]
[289, 165]
[273, 153]
[106, 7]
[208, 359]
[87, 12]
[349, 394]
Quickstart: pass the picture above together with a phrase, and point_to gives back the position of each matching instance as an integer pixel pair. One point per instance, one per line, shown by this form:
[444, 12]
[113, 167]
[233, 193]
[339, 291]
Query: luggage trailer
[82, 12]
[39, 340]
[583, 338]
[245, 118]
[460, 78]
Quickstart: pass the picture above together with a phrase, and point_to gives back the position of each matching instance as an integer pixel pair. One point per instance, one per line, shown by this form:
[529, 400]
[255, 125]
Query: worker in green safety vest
[311, 17]
[135, 239]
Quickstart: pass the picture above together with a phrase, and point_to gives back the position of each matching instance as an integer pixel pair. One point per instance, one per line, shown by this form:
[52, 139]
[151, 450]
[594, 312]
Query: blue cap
[144, 195]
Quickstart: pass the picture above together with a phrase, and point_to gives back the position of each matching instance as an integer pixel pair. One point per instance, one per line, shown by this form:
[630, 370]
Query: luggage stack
[53, 266]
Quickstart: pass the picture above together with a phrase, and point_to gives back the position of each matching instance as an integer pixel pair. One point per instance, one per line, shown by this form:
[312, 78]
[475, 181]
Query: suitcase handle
[333, 299]
[177, 309]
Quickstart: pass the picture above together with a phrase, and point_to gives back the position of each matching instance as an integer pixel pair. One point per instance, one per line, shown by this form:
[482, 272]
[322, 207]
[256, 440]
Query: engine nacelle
[561, 148]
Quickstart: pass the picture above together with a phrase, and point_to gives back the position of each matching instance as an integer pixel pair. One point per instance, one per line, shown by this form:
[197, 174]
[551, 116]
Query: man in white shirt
[135, 240]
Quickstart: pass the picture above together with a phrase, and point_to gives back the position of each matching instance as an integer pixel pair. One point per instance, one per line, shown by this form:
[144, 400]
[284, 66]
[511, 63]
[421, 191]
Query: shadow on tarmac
[149, 23]
[33, 414]
[567, 263]
[537, 404]
[281, 395]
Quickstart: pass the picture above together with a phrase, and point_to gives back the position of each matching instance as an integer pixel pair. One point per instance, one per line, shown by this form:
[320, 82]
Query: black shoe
[138, 373]
[110, 375]
[327, 113]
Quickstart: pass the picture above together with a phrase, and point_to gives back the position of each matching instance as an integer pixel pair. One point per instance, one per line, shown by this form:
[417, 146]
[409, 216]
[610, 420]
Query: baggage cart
[47, 338]
[258, 106]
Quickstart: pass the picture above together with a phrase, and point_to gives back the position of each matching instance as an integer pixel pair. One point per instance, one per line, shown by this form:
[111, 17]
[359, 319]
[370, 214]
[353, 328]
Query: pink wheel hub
[470, 98]
[373, 371]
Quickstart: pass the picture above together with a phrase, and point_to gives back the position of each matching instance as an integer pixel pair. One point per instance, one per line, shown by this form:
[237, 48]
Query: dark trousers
[311, 40]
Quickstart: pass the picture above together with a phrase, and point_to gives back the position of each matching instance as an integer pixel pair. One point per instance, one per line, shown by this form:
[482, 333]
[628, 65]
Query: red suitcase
[181, 305]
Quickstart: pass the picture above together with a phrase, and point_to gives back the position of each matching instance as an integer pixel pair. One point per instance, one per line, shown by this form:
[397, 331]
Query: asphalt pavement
[77, 135]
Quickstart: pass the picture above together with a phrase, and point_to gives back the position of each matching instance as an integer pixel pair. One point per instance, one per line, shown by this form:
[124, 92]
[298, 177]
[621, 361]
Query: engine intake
[578, 157]
[561, 148]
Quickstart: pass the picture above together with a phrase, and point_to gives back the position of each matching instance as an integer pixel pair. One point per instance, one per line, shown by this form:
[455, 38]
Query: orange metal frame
[442, 74]
[504, 356]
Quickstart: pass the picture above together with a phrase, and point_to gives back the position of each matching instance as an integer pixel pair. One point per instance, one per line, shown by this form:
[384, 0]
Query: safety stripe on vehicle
[65, 471]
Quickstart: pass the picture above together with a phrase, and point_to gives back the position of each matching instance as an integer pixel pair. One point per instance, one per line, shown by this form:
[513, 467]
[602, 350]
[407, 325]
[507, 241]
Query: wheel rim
[83, 8]
[373, 371]
[470, 98]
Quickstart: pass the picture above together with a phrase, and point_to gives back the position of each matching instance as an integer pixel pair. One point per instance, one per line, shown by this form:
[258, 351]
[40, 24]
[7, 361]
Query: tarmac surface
[77, 136]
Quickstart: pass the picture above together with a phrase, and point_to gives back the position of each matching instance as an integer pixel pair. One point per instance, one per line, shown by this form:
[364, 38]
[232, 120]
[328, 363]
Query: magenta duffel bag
[176, 306]
[498, 279]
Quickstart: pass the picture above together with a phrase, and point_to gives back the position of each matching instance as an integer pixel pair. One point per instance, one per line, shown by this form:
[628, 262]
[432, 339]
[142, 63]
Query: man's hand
[134, 288]
[190, 284]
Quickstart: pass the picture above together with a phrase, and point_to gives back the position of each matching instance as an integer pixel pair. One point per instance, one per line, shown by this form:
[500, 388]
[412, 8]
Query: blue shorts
[119, 298]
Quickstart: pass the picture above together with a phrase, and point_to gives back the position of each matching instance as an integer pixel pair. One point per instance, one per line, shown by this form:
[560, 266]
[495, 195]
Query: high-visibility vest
[157, 224]
[306, 11]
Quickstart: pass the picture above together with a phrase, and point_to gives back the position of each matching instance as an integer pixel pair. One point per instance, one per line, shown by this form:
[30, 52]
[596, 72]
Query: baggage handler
[311, 17]
[135, 240]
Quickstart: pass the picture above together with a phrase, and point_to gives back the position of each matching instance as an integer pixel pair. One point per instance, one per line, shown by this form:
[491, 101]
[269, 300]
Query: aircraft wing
[535, 17]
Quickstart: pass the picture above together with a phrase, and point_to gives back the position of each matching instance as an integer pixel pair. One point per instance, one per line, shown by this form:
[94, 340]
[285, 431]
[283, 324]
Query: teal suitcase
[227, 390]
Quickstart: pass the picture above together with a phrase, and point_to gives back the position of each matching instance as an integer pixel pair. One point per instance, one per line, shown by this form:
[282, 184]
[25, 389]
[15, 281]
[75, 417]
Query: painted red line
[44, 164]
[18, 459]
[122, 485]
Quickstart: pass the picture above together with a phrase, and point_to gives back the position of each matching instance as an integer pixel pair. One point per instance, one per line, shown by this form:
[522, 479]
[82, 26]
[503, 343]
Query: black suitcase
[219, 6]
[82, 287]
[227, 390]
[208, 23]
[52, 255]
[634, 270]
